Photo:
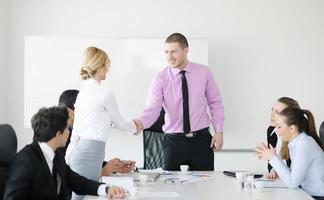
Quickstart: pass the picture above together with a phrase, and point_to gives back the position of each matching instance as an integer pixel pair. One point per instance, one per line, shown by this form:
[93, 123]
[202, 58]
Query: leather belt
[191, 134]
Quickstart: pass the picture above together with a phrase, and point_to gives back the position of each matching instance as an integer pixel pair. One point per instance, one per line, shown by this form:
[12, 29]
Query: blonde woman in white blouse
[95, 109]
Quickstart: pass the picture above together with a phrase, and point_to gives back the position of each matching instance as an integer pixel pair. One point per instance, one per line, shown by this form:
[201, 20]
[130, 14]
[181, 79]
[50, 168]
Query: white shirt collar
[92, 81]
[47, 150]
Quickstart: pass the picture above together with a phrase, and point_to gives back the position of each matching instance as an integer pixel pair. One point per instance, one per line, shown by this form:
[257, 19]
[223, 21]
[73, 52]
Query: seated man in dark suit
[67, 99]
[40, 173]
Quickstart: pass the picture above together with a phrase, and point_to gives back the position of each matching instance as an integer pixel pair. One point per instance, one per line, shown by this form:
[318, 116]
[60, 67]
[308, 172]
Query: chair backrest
[153, 149]
[8, 151]
[321, 132]
[153, 138]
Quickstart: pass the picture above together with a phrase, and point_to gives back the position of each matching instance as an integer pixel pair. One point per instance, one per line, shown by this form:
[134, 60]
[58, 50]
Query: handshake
[138, 126]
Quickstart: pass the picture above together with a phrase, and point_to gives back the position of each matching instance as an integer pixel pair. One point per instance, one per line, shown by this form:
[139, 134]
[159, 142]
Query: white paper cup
[240, 175]
[184, 168]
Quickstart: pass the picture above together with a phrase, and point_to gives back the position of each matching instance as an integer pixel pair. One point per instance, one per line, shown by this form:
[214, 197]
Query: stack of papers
[157, 170]
[152, 195]
[268, 183]
[125, 182]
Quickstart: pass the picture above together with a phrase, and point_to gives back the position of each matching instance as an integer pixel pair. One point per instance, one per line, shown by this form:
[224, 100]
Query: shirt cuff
[218, 128]
[275, 161]
[144, 123]
[102, 190]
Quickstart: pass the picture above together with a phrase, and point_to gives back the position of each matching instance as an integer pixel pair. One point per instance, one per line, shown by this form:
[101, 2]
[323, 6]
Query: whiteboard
[52, 65]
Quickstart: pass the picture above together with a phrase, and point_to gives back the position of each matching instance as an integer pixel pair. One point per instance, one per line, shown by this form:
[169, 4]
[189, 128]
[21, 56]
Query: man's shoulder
[164, 70]
[162, 73]
[27, 153]
[25, 159]
[199, 66]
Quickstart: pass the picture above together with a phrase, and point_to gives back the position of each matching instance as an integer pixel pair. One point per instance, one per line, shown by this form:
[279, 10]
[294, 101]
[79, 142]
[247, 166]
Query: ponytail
[304, 121]
[86, 73]
[310, 127]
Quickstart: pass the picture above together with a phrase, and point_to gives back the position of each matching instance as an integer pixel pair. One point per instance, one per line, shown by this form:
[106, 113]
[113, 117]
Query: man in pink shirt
[185, 89]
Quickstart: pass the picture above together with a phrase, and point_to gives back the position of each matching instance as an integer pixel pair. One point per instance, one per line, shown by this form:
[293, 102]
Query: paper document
[150, 195]
[125, 182]
[267, 183]
[184, 179]
[157, 170]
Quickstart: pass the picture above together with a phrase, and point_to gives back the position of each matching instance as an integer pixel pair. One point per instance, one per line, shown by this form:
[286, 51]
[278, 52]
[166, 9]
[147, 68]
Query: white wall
[3, 61]
[273, 40]
[129, 57]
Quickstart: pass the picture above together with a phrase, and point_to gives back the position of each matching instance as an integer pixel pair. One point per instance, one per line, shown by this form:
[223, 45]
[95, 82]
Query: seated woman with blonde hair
[272, 138]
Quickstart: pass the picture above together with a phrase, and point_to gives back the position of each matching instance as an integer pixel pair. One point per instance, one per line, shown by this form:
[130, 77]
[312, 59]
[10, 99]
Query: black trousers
[318, 198]
[193, 151]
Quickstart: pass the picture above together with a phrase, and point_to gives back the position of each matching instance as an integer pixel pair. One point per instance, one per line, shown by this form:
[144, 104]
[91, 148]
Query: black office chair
[321, 135]
[321, 132]
[318, 198]
[153, 138]
[8, 151]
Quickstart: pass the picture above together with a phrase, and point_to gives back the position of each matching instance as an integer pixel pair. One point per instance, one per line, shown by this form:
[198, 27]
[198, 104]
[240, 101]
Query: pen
[166, 173]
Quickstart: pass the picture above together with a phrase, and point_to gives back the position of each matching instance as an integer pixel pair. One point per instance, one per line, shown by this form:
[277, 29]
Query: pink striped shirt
[165, 90]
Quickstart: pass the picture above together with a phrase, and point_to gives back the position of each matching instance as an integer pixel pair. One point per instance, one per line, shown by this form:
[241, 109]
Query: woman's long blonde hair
[93, 59]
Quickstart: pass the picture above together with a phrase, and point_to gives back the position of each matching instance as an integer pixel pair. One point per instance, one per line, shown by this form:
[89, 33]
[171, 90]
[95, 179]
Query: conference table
[217, 186]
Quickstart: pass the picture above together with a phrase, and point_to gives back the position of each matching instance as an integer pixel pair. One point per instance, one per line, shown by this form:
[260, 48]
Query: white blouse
[95, 110]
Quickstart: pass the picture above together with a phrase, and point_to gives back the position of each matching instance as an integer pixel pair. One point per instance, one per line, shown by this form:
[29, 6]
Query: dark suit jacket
[273, 139]
[30, 177]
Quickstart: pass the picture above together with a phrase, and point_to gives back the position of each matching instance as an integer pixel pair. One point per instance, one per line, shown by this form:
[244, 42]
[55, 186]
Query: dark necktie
[55, 174]
[185, 100]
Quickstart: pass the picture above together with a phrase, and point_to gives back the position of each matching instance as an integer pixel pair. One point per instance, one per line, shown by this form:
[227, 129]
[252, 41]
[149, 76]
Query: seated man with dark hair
[67, 99]
[40, 173]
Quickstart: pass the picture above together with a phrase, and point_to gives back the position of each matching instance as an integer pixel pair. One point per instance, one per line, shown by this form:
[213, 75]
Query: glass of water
[249, 181]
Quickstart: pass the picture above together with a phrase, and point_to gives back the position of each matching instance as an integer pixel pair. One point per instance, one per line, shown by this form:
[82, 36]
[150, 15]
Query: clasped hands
[118, 166]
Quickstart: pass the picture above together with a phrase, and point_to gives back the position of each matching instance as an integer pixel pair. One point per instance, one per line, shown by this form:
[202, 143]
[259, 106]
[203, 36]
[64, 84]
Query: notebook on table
[232, 174]
[270, 183]
[151, 176]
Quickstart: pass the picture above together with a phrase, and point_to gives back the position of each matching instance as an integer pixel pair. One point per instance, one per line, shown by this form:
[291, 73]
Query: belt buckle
[189, 135]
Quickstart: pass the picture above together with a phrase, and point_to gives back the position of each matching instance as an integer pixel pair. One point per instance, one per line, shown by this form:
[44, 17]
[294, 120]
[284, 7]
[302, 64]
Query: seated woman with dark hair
[297, 127]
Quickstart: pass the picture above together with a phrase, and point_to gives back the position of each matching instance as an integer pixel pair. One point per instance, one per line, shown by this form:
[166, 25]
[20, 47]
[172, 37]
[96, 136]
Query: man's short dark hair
[68, 97]
[177, 37]
[48, 121]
